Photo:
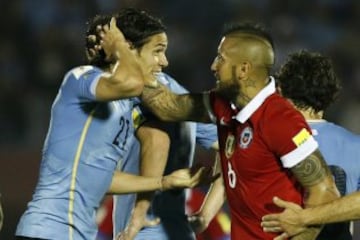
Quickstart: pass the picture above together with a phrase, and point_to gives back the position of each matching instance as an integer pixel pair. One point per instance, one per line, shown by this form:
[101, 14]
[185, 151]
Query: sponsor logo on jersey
[246, 137]
[229, 146]
[301, 137]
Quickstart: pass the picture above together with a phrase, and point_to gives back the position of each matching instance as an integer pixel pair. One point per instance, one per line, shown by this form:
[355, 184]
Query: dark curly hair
[136, 25]
[309, 80]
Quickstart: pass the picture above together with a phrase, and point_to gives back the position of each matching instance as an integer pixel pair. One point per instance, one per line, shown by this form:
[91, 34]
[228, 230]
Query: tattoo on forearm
[311, 171]
[169, 106]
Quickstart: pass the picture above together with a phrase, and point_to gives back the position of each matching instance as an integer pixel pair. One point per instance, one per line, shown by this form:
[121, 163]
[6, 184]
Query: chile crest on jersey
[246, 137]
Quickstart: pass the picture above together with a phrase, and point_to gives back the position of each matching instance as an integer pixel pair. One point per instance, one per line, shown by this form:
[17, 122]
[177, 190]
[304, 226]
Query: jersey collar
[162, 78]
[256, 102]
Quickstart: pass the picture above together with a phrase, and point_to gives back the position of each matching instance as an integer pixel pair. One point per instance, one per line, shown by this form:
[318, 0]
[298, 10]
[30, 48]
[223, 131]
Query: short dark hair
[309, 80]
[247, 27]
[136, 25]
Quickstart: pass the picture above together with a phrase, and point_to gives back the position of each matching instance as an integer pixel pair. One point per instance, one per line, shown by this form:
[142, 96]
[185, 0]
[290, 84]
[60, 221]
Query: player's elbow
[323, 192]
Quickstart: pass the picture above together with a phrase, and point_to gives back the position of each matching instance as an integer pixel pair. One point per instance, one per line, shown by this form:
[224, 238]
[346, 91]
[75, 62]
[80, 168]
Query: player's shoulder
[345, 133]
[171, 83]
[164, 78]
[83, 72]
[277, 106]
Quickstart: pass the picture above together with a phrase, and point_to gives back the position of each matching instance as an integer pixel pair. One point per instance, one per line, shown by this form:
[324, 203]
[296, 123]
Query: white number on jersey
[231, 176]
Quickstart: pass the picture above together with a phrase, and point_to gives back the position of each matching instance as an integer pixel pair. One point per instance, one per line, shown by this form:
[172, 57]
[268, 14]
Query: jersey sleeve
[172, 84]
[82, 81]
[287, 134]
[206, 134]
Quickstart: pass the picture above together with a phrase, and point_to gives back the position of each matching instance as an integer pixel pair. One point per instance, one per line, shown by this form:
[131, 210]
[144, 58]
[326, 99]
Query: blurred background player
[308, 80]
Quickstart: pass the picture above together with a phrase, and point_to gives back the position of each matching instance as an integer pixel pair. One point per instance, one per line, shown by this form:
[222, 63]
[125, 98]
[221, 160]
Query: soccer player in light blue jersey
[168, 206]
[309, 82]
[90, 130]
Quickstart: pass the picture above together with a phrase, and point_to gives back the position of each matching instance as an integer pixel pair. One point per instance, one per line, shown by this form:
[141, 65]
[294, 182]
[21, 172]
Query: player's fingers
[283, 236]
[284, 204]
[115, 29]
[198, 175]
[272, 229]
[98, 46]
[208, 176]
[214, 177]
[106, 27]
[196, 179]
[92, 52]
[99, 28]
[270, 217]
[92, 38]
[113, 23]
[270, 223]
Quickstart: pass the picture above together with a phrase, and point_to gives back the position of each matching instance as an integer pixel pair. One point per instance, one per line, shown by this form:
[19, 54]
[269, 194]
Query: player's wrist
[161, 183]
[305, 218]
[165, 183]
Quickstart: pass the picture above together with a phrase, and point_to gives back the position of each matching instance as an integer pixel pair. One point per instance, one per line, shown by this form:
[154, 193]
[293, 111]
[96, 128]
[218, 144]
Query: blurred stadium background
[41, 40]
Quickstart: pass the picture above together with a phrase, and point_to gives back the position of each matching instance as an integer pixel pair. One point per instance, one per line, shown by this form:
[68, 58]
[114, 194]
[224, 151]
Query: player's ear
[243, 69]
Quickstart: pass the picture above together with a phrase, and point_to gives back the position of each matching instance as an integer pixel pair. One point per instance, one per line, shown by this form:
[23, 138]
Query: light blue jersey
[169, 205]
[85, 141]
[340, 148]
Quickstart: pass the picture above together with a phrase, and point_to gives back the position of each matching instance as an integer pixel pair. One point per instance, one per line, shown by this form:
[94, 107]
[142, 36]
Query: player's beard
[229, 89]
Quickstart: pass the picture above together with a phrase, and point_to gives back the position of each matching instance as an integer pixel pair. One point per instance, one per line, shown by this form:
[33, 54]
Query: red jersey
[257, 144]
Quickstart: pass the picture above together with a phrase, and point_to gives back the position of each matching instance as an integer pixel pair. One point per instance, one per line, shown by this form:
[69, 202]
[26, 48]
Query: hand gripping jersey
[257, 145]
[85, 141]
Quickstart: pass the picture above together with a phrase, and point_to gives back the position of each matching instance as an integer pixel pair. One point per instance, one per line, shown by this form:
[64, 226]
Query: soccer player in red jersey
[266, 146]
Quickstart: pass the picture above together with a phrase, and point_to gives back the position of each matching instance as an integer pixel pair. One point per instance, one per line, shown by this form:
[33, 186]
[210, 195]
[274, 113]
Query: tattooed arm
[172, 107]
[315, 176]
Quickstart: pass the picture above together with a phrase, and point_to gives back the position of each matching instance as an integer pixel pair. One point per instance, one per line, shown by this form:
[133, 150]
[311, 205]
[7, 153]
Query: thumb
[284, 204]
[283, 236]
[113, 23]
[152, 223]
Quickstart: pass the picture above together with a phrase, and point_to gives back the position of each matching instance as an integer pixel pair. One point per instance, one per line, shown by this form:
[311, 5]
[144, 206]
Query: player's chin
[221, 90]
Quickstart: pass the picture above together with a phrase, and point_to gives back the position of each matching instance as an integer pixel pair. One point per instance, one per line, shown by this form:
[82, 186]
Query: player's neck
[249, 89]
[310, 114]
